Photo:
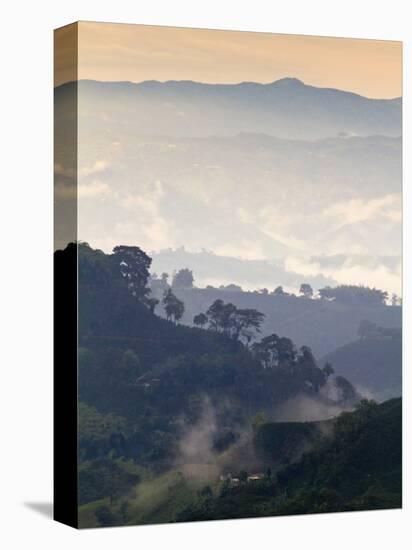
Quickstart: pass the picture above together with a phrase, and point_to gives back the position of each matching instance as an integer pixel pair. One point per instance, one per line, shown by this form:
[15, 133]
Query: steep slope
[363, 462]
[357, 467]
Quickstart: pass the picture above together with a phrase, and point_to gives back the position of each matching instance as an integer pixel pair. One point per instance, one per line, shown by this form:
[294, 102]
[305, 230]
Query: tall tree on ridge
[183, 278]
[174, 307]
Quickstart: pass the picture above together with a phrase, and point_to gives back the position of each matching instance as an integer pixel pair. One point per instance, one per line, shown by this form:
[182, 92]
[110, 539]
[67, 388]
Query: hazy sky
[137, 52]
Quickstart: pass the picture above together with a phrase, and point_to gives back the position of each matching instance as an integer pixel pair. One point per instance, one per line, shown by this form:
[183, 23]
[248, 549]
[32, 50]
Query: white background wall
[26, 271]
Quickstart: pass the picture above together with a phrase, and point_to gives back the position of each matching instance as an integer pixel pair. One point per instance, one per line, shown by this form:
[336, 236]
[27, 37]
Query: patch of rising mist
[196, 458]
[240, 456]
[335, 392]
[303, 408]
[199, 461]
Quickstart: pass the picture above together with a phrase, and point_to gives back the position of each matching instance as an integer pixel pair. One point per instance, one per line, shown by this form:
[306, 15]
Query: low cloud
[303, 408]
[147, 203]
[388, 207]
[356, 270]
[245, 249]
[279, 225]
[196, 455]
[148, 227]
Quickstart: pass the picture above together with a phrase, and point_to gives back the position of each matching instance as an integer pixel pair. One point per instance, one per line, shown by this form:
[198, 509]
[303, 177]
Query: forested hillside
[357, 467]
[166, 407]
[128, 351]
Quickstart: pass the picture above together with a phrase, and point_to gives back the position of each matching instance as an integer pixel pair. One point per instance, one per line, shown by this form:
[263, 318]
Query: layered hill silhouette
[125, 350]
[325, 325]
[286, 107]
[271, 171]
[374, 365]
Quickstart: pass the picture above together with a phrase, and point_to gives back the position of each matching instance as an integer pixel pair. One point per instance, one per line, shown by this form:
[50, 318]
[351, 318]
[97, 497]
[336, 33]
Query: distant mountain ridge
[285, 108]
[255, 189]
[286, 83]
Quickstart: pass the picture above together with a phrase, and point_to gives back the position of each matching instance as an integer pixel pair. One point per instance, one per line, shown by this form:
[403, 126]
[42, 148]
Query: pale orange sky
[136, 53]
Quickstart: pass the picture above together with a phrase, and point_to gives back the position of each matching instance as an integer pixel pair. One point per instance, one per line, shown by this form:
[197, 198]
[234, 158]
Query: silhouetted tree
[215, 315]
[174, 307]
[353, 294]
[279, 291]
[232, 321]
[152, 303]
[134, 267]
[231, 288]
[308, 369]
[183, 279]
[266, 351]
[200, 320]
[286, 351]
[274, 351]
[306, 290]
[228, 312]
[243, 321]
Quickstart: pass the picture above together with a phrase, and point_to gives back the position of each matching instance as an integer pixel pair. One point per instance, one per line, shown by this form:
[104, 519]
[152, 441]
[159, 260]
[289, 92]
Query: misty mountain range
[280, 171]
[284, 108]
